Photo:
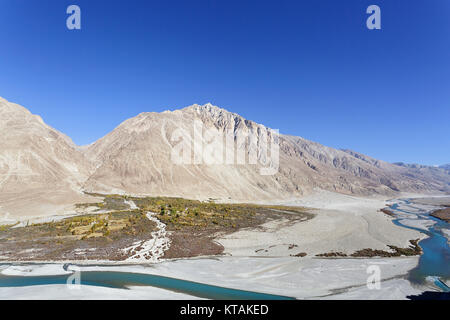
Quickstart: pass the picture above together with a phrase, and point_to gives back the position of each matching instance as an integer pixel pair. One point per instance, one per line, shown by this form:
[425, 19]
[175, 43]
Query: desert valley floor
[318, 246]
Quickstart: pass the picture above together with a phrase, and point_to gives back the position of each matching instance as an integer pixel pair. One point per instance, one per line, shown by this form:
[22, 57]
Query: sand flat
[305, 278]
[342, 224]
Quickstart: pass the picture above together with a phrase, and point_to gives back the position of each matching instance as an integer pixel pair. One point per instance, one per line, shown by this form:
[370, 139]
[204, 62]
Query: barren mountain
[137, 157]
[41, 170]
[196, 152]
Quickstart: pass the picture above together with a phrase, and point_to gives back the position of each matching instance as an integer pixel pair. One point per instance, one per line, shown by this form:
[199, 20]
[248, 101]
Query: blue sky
[309, 68]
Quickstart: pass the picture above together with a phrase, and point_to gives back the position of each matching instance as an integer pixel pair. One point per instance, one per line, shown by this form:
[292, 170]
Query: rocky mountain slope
[41, 169]
[230, 158]
[136, 157]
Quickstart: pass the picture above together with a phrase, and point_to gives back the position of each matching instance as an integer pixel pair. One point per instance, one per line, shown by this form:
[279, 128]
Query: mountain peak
[206, 108]
[136, 158]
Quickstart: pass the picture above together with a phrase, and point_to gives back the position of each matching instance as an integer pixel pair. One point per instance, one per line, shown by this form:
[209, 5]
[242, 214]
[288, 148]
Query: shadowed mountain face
[195, 152]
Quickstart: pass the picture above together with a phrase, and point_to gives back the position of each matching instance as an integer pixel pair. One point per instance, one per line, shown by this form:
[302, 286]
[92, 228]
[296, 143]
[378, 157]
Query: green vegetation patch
[413, 250]
[110, 202]
[5, 227]
[113, 226]
[180, 213]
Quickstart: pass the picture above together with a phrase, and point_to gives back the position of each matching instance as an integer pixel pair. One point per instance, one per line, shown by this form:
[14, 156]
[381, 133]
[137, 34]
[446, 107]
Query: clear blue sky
[309, 68]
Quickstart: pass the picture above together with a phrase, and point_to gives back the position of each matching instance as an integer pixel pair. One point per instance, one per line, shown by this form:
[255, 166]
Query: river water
[434, 263]
[123, 280]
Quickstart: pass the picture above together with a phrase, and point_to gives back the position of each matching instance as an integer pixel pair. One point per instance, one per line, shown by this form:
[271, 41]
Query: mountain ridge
[137, 158]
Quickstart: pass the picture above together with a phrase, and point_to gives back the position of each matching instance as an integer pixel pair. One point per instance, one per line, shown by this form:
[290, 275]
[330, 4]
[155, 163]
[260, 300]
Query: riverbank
[341, 224]
[308, 278]
[433, 263]
[442, 213]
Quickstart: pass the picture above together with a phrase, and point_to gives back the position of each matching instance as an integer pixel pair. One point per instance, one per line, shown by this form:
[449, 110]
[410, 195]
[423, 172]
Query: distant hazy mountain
[38, 162]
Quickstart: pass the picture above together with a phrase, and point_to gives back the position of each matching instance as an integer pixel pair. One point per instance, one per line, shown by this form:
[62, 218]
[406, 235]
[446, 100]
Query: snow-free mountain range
[42, 170]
